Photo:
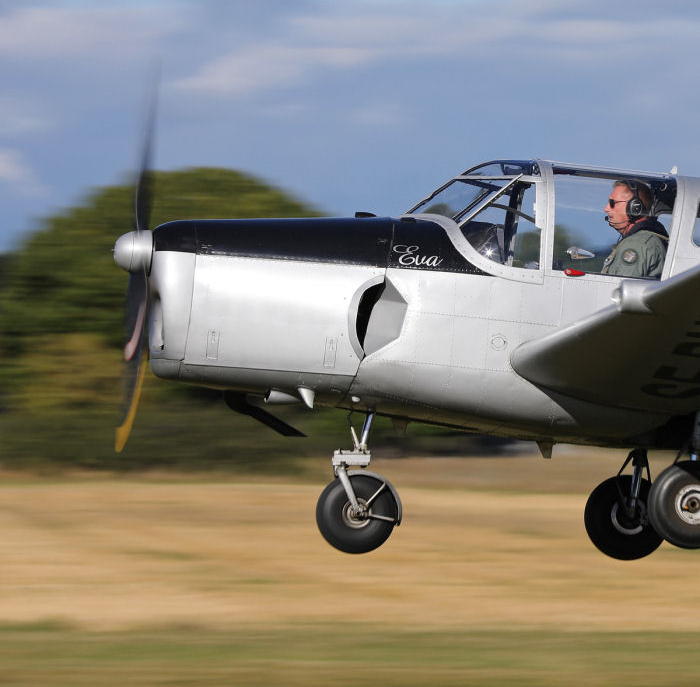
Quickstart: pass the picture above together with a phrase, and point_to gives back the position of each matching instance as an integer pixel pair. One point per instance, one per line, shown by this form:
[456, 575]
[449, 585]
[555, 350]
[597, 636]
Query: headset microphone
[617, 226]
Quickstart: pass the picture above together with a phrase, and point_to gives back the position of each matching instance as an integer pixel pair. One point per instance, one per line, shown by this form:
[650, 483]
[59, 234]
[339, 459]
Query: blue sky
[349, 104]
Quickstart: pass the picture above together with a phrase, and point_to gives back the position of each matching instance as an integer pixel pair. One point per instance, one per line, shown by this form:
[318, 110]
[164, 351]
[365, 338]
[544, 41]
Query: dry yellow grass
[485, 543]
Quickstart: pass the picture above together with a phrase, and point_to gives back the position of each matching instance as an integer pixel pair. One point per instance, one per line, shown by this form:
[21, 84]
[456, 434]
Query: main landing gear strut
[674, 501]
[359, 509]
[628, 517]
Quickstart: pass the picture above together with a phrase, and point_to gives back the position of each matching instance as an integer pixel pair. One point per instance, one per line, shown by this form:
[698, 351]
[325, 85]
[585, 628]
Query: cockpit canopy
[500, 208]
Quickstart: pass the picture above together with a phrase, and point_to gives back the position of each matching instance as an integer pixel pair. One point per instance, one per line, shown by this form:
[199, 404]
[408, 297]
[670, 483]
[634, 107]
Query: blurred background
[194, 553]
[320, 108]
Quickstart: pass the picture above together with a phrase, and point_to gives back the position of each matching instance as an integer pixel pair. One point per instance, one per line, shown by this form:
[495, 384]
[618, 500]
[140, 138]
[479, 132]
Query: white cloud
[349, 35]
[17, 116]
[38, 33]
[16, 173]
[378, 115]
[344, 38]
[593, 34]
[269, 66]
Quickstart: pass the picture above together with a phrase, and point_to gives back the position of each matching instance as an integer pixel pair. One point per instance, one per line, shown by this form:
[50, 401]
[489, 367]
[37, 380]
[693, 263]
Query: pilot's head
[629, 203]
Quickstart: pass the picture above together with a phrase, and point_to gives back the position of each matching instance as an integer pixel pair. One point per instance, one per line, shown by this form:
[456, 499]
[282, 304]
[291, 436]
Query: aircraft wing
[641, 352]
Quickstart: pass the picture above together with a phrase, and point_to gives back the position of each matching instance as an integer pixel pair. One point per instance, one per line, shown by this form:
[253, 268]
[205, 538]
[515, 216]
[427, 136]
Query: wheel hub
[688, 504]
[356, 520]
[624, 524]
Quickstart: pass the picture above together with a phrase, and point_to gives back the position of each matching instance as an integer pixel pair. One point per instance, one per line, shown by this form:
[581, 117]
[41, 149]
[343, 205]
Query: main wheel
[357, 533]
[611, 529]
[674, 504]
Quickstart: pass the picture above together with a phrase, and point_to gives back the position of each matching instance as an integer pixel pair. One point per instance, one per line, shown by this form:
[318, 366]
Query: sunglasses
[612, 201]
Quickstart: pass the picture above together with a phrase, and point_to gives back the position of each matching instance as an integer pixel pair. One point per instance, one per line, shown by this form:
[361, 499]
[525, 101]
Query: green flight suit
[640, 254]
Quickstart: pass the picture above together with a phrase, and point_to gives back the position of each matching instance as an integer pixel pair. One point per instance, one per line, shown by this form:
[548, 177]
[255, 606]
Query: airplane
[472, 311]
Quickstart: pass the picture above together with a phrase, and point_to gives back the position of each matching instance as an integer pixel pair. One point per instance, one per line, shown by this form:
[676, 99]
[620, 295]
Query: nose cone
[133, 251]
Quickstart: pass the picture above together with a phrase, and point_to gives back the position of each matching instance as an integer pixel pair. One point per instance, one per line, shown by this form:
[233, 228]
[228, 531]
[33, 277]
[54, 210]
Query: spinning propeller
[133, 252]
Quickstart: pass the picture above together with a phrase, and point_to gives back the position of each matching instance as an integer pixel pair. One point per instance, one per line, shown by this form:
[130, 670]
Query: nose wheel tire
[674, 504]
[357, 532]
[614, 531]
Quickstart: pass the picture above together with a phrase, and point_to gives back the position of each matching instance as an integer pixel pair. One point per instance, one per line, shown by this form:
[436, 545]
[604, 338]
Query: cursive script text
[409, 257]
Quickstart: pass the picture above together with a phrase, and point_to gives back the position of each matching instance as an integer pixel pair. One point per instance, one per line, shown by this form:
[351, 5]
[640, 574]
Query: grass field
[208, 580]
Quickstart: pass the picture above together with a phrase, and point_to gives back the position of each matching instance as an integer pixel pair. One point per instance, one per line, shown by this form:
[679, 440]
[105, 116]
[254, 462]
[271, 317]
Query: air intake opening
[364, 310]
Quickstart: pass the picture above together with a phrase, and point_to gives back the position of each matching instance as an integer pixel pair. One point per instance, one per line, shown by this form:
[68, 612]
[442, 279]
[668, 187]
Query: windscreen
[458, 197]
[494, 205]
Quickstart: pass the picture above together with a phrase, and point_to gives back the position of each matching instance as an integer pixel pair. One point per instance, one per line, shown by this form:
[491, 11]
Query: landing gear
[357, 530]
[616, 513]
[674, 504]
[674, 501]
[358, 510]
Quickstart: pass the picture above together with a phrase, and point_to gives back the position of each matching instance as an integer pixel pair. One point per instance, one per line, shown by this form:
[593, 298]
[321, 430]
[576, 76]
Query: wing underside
[642, 352]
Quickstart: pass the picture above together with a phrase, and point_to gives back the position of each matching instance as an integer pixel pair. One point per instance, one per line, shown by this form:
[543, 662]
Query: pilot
[641, 248]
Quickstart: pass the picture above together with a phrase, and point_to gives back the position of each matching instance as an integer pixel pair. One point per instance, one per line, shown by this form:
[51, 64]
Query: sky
[347, 104]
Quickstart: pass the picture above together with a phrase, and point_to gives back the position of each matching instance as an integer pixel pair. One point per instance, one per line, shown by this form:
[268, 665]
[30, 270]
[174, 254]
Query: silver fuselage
[402, 315]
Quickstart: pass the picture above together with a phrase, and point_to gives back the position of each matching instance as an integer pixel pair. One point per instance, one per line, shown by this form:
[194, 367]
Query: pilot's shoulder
[649, 238]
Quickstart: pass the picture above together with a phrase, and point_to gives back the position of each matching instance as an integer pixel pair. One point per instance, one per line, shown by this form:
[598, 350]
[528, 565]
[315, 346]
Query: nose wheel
[363, 529]
[359, 509]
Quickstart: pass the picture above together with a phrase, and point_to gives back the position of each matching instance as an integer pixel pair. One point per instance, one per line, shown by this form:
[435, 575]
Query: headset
[635, 205]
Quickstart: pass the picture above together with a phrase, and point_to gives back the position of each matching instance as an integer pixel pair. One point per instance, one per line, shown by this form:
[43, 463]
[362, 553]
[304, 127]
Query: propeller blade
[124, 430]
[143, 189]
[135, 353]
[133, 252]
[135, 315]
